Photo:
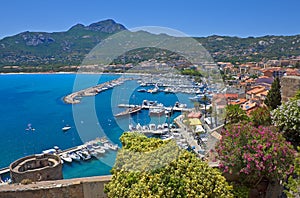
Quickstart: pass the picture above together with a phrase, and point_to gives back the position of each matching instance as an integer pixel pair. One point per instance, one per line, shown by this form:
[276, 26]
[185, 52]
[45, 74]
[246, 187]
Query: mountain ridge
[51, 50]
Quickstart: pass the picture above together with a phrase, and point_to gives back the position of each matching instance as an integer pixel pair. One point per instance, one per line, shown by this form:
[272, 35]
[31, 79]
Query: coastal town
[146, 99]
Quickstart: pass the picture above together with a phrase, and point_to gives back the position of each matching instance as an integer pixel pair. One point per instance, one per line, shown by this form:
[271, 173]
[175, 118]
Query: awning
[195, 121]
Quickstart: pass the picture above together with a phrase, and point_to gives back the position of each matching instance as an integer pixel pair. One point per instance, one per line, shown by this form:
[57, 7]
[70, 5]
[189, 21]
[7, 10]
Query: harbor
[64, 133]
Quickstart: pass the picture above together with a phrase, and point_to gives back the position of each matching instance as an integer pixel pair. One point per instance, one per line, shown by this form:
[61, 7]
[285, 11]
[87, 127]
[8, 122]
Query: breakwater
[74, 98]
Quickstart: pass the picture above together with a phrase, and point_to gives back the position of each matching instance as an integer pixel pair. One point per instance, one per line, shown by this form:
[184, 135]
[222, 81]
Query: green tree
[261, 116]
[205, 99]
[273, 99]
[293, 183]
[297, 96]
[149, 167]
[287, 118]
[235, 114]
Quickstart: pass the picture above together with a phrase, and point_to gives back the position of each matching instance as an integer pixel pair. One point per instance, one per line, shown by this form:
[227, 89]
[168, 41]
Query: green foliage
[70, 47]
[261, 116]
[255, 153]
[191, 72]
[297, 96]
[286, 118]
[293, 183]
[235, 114]
[273, 99]
[149, 167]
[239, 190]
[235, 49]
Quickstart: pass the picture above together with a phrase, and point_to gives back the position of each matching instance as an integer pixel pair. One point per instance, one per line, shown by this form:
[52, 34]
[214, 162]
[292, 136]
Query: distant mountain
[235, 49]
[55, 49]
[49, 51]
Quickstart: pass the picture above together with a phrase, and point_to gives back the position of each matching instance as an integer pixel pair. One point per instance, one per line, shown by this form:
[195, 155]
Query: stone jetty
[74, 98]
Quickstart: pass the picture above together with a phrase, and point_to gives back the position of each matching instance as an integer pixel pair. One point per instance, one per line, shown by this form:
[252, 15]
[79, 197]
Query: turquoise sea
[36, 100]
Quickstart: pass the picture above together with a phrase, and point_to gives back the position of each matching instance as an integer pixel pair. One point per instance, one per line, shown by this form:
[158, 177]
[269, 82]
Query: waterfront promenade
[189, 137]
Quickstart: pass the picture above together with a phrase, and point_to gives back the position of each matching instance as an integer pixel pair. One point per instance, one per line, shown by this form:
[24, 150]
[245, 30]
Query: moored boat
[157, 111]
[65, 157]
[129, 111]
[74, 156]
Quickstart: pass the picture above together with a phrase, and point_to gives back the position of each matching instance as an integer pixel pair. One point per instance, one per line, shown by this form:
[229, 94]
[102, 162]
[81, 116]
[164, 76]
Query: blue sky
[241, 18]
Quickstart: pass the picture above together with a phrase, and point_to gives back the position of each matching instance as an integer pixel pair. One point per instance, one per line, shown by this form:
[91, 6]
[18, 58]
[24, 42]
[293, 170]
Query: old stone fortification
[91, 187]
[40, 167]
[289, 86]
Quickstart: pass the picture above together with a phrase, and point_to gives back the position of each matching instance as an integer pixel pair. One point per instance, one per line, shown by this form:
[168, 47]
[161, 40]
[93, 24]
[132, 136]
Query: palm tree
[205, 100]
[235, 114]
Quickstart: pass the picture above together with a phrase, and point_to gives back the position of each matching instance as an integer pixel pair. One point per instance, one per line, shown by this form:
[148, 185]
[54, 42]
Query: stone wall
[289, 86]
[91, 187]
[36, 168]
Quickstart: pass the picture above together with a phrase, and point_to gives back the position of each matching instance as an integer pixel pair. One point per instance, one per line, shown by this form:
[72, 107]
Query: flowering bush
[287, 118]
[255, 153]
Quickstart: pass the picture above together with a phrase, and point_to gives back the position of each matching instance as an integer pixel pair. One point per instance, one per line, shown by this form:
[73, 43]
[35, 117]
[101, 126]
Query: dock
[4, 170]
[182, 109]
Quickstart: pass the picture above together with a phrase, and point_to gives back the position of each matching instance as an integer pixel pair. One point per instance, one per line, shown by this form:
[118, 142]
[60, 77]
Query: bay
[36, 100]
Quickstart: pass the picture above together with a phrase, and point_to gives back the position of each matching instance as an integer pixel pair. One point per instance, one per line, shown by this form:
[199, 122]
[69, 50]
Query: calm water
[36, 99]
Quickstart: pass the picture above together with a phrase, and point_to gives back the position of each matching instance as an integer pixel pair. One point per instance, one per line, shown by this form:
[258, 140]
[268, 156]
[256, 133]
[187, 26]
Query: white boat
[165, 125]
[96, 146]
[84, 154]
[111, 146]
[159, 127]
[100, 151]
[157, 111]
[152, 127]
[145, 128]
[93, 152]
[49, 151]
[105, 146]
[66, 128]
[74, 156]
[65, 157]
[131, 127]
[139, 127]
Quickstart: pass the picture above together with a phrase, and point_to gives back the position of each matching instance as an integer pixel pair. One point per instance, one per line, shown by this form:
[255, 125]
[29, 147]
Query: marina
[46, 135]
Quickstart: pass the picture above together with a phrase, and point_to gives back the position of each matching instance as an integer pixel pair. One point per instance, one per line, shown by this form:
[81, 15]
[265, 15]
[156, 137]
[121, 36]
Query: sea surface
[35, 100]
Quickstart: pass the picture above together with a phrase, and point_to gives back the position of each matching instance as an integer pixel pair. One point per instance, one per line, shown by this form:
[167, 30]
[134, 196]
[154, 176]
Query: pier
[74, 98]
[4, 170]
[182, 109]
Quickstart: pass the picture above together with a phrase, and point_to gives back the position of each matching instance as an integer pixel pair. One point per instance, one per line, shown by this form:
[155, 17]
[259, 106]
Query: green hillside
[49, 51]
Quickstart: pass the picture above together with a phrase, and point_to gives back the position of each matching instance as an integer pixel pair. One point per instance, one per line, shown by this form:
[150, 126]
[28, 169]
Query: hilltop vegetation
[49, 51]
